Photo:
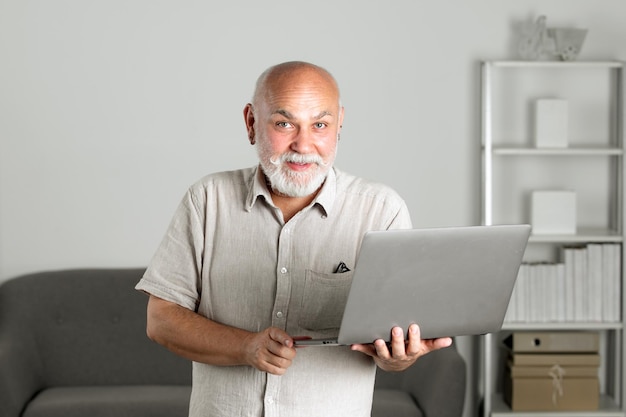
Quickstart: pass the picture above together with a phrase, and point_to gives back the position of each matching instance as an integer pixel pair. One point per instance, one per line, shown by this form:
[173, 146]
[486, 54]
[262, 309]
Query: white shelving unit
[592, 164]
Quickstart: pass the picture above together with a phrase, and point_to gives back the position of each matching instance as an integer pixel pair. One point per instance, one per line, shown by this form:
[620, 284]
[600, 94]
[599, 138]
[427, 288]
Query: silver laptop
[450, 281]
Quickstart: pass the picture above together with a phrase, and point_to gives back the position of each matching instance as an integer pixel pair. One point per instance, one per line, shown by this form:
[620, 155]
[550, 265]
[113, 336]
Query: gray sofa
[73, 343]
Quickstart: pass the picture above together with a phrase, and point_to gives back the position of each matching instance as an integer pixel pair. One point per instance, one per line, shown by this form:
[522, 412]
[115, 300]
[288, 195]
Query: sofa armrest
[20, 364]
[437, 381]
[20, 378]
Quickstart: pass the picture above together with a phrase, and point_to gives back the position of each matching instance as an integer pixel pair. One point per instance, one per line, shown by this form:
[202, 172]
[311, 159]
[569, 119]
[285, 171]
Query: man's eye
[320, 125]
[283, 124]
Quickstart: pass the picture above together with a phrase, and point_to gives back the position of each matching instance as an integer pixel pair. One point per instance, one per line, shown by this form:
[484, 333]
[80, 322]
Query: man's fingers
[414, 345]
[401, 353]
[440, 343]
[277, 365]
[398, 348]
[382, 350]
[271, 351]
[281, 337]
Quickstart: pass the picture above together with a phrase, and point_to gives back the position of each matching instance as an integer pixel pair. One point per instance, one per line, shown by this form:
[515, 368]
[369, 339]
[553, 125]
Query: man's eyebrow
[288, 115]
[322, 114]
[284, 113]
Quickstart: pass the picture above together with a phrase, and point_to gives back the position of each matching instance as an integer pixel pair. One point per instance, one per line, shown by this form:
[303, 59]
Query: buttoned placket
[283, 278]
[281, 308]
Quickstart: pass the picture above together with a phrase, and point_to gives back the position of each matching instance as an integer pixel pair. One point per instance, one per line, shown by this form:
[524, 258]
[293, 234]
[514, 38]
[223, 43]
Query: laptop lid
[451, 281]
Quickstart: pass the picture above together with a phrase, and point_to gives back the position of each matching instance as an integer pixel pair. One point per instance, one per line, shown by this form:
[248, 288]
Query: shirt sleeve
[174, 274]
[402, 220]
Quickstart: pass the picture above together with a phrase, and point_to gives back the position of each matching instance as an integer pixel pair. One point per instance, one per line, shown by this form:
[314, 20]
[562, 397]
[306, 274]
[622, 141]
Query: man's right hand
[271, 350]
[199, 339]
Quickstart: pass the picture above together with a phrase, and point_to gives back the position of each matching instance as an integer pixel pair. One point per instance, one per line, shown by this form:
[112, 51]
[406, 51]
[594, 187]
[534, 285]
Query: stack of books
[584, 287]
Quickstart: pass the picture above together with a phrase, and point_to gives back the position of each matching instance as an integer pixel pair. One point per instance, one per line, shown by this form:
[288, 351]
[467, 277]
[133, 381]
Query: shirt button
[283, 270]
[270, 400]
[323, 216]
[279, 314]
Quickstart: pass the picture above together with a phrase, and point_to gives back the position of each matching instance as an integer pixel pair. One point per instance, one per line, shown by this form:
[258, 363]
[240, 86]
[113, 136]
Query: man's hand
[199, 339]
[271, 350]
[403, 353]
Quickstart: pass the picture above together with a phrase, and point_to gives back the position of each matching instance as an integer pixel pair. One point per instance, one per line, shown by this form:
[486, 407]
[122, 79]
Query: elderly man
[249, 265]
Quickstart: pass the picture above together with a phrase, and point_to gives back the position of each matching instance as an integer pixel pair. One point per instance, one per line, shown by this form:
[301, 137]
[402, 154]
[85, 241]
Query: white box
[553, 212]
[551, 120]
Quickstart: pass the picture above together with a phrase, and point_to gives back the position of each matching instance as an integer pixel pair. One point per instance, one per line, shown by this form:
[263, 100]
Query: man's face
[296, 126]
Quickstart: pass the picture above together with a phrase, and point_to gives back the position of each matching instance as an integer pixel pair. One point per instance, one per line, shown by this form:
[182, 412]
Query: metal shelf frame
[611, 406]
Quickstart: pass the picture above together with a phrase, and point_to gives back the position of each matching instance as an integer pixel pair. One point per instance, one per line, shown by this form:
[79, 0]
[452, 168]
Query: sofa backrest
[87, 327]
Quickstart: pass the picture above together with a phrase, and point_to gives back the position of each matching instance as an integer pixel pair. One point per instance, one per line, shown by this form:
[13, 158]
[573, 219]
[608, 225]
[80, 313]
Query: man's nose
[303, 142]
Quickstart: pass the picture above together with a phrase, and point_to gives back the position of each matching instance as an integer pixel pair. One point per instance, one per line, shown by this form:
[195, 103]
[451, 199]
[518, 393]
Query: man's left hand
[401, 353]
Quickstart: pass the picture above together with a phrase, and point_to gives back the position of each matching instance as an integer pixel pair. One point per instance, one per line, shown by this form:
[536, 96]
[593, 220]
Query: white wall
[110, 109]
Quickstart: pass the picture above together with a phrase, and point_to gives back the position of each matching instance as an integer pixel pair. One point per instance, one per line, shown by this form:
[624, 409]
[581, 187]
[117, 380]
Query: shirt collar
[258, 188]
[326, 197]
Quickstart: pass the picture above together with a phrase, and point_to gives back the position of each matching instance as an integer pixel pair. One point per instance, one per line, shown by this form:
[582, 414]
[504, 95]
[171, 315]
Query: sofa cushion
[87, 327]
[111, 401]
[396, 403]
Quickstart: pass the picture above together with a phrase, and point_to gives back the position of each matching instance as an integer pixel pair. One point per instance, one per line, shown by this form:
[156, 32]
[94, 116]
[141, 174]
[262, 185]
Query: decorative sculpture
[538, 41]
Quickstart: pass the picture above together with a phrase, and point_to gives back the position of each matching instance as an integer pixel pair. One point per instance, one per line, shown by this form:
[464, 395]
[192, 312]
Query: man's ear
[340, 123]
[248, 116]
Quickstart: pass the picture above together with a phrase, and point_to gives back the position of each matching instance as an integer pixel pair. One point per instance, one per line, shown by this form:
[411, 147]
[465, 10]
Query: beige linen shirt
[229, 255]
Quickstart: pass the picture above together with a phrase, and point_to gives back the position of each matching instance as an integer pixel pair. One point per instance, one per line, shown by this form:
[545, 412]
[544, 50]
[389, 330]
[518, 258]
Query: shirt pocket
[324, 300]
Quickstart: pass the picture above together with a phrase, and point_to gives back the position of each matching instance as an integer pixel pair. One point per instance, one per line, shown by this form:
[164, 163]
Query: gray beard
[293, 184]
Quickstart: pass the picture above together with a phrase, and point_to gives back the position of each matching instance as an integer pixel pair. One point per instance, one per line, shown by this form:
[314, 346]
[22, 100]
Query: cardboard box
[554, 342]
[551, 359]
[552, 388]
[540, 394]
[547, 371]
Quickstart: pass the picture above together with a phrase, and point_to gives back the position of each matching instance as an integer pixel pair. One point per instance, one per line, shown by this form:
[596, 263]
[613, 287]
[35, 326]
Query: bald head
[289, 73]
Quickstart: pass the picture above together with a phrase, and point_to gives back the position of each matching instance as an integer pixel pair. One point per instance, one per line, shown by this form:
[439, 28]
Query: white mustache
[298, 158]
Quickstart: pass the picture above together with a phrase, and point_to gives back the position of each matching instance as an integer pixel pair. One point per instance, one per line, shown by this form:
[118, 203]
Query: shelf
[539, 326]
[571, 151]
[555, 64]
[584, 235]
[607, 408]
[592, 164]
